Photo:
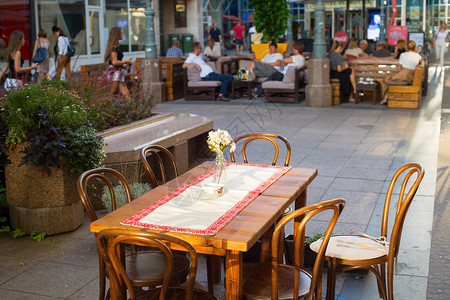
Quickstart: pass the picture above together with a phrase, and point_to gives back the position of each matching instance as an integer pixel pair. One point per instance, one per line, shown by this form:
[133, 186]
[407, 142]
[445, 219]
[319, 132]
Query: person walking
[116, 70]
[18, 74]
[215, 35]
[239, 36]
[439, 43]
[63, 58]
[43, 68]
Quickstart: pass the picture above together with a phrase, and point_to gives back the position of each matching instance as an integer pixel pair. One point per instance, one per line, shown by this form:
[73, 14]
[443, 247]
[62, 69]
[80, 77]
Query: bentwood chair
[141, 265]
[272, 138]
[120, 275]
[280, 281]
[156, 152]
[365, 252]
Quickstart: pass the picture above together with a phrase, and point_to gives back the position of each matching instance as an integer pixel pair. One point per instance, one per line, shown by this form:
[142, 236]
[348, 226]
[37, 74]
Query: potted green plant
[49, 141]
[270, 19]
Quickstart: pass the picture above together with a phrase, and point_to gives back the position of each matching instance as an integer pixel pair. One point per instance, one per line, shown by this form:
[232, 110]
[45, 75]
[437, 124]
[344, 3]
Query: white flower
[219, 140]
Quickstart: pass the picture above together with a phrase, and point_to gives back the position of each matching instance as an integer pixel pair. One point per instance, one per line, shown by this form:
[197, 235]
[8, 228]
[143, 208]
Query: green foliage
[270, 18]
[137, 189]
[311, 239]
[17, 233]
[48, 117]
[87, 149]
[37, 237]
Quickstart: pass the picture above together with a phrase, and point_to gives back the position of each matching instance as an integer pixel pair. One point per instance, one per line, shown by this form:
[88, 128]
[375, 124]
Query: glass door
[94, 38]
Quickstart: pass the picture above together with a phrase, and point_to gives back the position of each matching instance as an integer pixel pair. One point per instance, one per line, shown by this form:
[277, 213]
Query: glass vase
[220, 172]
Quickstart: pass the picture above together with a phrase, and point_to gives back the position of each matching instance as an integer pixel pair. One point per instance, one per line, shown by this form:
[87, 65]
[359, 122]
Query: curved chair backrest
[100, 173]
[264, 136]
[336, 206]
[112, 256]
[155, 151]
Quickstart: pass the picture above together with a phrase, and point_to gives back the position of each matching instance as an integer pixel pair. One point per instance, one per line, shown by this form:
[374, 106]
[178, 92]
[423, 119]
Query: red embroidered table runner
[182, 211]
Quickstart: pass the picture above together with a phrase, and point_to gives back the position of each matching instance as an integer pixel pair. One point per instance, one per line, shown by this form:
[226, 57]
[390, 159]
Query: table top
[239, 234]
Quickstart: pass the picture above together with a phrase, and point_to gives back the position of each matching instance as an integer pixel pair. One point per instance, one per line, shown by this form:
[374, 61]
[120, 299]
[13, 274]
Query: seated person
[271, 63]
[408, 61]
[353, 49]
[297, 60]
[212, 50]
[206, 72]
[399, 48]
[341, 71]
[382, 51]
[175, 50]
[363, 45]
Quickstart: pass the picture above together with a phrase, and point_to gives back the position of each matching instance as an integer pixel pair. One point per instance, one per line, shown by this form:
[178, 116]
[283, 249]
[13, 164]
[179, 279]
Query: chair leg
[331, 279]
[102, 278]
[209, 274]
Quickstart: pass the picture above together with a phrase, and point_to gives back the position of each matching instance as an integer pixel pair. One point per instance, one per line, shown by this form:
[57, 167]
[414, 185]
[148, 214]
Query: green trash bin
[188, 40]
[173, 37]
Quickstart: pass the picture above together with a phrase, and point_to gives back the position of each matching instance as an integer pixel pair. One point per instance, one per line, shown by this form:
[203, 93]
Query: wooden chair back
[101, 174]
[335, 206]
[94, 71]
[418, 73]
[273, 138]
[156, 151]
[110, 242]
[412, 175]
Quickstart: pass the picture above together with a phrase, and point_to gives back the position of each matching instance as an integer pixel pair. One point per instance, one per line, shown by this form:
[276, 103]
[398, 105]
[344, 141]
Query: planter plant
[137, 189]
[270, 18]
[49, 141]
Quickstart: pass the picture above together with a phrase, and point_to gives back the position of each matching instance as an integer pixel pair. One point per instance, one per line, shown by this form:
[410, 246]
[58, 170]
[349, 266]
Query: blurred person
[206, 72]
[175, 50]
[363, 45]
[215, 35]
[408, 62]
[43, 68]
[271, 63]
[354, 50]
[399, 48]
[239, 36]
[382, 51]
[212, 51]
[18, 74]
[341, 71]
[439, 42]
[63, 58]
[116, 69]
[419, 49]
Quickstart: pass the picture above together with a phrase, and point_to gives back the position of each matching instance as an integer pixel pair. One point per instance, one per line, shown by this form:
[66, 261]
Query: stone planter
[40, 203]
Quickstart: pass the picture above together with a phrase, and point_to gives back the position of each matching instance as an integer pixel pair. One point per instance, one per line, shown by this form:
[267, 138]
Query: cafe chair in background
[274, 280]
[272, 138]
[156, 152]
[146, 268]
[119, 274]
[365, 252]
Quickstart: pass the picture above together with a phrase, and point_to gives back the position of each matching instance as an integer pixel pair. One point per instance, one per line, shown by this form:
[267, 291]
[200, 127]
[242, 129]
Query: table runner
[179, 212]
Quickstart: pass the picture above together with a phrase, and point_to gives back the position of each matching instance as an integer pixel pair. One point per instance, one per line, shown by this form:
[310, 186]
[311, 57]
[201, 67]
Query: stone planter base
[46, 204]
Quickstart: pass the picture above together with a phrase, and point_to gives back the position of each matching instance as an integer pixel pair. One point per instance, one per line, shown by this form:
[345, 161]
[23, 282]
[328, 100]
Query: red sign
[341, 36]
[396, 33]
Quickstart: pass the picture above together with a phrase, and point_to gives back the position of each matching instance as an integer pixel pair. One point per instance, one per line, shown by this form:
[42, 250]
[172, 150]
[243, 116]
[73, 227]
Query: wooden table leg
[357, 96]
[233, 87]
[299, 203]
[233, 274]
[249, 89]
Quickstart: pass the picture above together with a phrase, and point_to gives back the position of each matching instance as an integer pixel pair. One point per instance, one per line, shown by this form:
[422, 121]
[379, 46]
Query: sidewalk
[356, 149]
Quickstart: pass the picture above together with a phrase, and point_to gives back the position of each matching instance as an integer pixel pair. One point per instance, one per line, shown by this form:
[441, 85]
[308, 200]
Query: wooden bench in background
[88, 71]
[402, 95]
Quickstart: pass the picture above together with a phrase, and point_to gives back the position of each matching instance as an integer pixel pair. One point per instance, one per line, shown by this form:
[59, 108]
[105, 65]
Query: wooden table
[241, 233]
[242, 84]
[372, 86]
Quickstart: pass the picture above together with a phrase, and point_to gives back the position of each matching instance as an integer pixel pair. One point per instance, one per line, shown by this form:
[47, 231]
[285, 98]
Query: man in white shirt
[212, 50]
[206, 72]
[297, 60]
[270, 64]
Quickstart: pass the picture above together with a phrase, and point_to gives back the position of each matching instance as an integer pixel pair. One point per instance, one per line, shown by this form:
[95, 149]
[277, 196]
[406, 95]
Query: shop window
[69, 15]
[116, 15]
[137, 25]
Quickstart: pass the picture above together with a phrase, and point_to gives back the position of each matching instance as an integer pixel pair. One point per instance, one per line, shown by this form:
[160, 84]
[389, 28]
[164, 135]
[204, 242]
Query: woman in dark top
[18, 74]
[342, 72]
[114, 56]
[399, 48]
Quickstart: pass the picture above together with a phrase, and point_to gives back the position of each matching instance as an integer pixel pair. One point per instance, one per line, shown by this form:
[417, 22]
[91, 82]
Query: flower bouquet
[218, 141]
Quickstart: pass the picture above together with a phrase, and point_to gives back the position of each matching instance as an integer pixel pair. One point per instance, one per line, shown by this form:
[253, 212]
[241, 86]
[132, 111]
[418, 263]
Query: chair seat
[352, 248]
[204, 83]
[151, 265]
[257, 281]
[278, 85]
[398, 83]
[173, 293]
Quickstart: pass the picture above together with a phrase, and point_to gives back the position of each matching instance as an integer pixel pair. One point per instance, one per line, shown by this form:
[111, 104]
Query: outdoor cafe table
[237, 236]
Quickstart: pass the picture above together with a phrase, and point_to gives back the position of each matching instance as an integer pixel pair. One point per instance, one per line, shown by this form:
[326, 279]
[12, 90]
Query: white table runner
[179, 212]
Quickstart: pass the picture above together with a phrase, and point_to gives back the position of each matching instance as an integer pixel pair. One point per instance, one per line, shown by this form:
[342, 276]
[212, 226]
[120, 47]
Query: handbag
[12, 83]
[41, 55]
[70, 49]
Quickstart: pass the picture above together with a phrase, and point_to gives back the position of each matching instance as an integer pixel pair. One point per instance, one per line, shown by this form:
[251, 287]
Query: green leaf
[37, 237]
[5, 229]
[3, 219]
[17, 233]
